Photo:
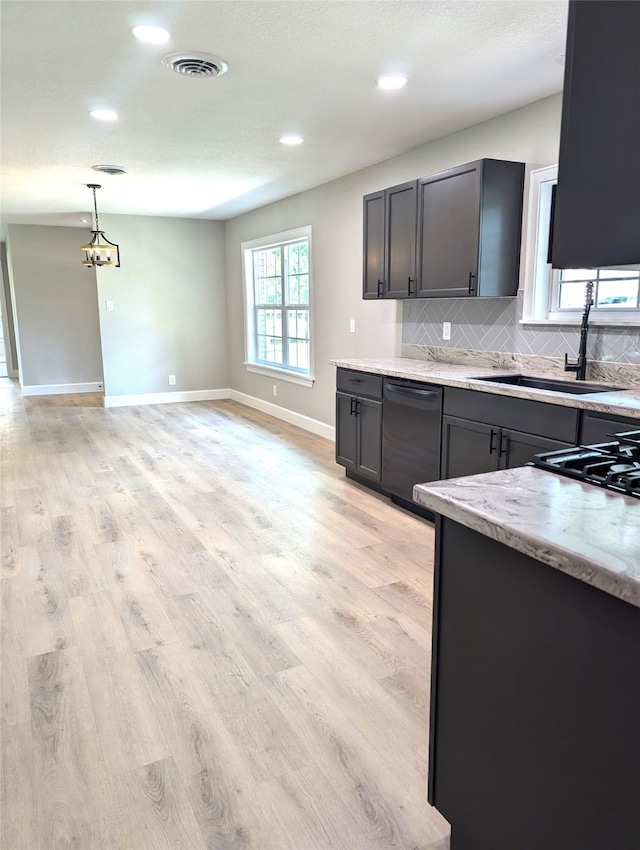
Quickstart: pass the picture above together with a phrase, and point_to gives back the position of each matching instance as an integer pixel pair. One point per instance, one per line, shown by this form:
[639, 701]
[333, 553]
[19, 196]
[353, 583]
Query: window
[277, 278]
[558, 296]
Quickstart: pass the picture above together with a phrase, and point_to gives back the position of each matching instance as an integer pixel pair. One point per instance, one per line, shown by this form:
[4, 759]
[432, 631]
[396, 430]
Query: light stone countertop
[581, 529]
[621, 403]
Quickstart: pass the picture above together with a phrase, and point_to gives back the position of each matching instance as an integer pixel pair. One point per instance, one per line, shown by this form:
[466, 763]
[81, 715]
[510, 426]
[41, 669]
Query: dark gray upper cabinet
[469, 229]
[597, 208]
[389, 258]
[373, 242]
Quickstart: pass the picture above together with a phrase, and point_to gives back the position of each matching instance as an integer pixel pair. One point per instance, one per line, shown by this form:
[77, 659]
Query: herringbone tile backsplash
[493, 324]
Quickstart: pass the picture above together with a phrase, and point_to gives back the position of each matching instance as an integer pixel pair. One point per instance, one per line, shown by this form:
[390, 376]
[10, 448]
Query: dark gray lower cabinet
[483, 432]
[359, 425]
[359, 435]
[598, 427]
[535, 700]
[469, 448]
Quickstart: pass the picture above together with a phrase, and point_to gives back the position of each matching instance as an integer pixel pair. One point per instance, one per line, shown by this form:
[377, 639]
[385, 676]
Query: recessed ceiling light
[392, 81]
[104, 114]
[151, 35]
[291, 139]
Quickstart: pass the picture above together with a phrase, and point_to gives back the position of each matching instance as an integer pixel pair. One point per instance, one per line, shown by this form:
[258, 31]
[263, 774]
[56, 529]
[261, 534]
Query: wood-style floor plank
[212, 638]
[74, 805]
[18, 821]
[14, 687]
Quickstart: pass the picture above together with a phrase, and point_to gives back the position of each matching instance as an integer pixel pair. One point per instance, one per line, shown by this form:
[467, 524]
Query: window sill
[575, 323]
[281, 374]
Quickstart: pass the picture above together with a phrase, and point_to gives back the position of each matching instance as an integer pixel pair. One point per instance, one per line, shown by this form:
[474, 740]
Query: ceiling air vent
[195, 64]
[109, 169]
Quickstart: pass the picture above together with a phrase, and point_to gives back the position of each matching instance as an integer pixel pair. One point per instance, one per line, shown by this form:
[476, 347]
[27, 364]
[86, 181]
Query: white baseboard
[60, 389]
[314, 426]
[165, 398]
[290, 416]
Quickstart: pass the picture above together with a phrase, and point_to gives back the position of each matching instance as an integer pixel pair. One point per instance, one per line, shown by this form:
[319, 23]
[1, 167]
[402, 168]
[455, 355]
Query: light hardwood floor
[210, 638]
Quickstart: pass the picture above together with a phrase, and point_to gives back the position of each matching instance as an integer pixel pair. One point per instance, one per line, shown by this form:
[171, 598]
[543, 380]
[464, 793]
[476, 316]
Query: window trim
[251, 362]
[540, 282]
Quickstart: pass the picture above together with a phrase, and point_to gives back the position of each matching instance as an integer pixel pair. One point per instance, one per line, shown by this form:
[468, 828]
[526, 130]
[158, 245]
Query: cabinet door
[369, 442]
[346, 430]
[517, 449]
[401, 210]
[448, 232]
[373, 259]
[468, 448]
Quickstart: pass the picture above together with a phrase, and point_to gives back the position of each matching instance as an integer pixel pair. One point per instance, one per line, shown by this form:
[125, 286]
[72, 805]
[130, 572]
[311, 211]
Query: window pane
[572, 295]
[269, 322]
[620, 294]
[298, 352]
[297, 270]
[578, 274]
[619, 273]
[267, 275]
[270, 349]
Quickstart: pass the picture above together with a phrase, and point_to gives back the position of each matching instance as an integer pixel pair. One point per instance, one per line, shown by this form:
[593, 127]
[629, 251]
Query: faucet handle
[570, 367]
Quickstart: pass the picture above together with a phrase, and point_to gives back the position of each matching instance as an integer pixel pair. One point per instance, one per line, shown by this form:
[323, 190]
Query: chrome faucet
[580, 366]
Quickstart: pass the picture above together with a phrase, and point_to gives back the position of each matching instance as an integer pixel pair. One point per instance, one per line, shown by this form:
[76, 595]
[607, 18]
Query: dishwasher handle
[412, 396]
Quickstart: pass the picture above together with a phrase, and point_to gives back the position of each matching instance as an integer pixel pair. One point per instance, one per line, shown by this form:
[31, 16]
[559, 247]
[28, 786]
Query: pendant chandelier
[99, 252]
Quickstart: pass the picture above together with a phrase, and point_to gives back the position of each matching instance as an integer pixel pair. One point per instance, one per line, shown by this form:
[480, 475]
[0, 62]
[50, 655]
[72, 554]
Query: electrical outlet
[172, 380]
[275, 389]
[352, 326]
[108, 305]
[446, 330]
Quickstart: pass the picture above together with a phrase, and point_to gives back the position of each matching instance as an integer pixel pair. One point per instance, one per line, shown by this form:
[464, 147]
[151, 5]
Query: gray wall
[56, 308]
[10, 349]
[334, 211]
[169, 312]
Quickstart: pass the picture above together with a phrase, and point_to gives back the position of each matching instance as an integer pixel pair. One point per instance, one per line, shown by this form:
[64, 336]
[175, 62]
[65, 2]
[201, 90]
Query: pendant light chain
[95, 206]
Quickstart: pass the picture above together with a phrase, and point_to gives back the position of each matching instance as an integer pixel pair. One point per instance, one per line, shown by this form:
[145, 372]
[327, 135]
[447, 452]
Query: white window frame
[251, 362]
[540, 280]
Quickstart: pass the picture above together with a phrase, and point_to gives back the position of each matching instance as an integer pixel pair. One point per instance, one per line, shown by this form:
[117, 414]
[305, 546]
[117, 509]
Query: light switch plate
[352, 326]
[108, 306]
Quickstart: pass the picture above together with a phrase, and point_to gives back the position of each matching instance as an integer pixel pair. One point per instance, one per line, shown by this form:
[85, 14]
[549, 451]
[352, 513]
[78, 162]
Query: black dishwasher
[411, 438]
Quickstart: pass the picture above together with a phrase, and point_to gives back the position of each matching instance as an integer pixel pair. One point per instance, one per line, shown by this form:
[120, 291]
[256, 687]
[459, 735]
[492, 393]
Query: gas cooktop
[614, 465]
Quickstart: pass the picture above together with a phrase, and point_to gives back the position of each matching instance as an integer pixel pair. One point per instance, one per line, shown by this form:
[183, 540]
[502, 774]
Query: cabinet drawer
[520, 414]
[359, 383]
[598, 427]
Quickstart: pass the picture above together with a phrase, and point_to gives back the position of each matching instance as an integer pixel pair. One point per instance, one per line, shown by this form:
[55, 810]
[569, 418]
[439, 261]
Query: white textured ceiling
[208, 148]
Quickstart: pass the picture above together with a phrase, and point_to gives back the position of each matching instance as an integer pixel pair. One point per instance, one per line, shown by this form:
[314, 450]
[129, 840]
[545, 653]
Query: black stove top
[614, 465]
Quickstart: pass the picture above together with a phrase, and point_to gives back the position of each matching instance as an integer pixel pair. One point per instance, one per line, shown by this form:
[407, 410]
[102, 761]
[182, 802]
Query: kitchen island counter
[535, 689]
[579, 529]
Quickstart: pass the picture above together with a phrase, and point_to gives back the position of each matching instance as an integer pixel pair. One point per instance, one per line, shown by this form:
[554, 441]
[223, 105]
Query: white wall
[169, 303]
[334, 211]
[55, 307]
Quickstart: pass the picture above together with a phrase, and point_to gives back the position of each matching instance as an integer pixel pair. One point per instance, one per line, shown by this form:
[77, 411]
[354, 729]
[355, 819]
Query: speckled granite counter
[580, 529]
[621, 403]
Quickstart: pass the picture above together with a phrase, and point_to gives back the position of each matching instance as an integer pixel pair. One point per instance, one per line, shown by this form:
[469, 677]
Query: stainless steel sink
[576, 387]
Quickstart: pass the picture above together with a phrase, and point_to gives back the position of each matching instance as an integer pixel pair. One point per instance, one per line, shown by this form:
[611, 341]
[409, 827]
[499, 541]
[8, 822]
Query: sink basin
[577, 387]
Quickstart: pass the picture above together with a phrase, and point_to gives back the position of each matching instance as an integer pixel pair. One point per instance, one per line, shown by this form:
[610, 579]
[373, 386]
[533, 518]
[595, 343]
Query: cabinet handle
[353, 405]
[472, 285]
[493, 434]
[358, 404]
[380, 288]
[503, 445]
[355, 380]
[409, 282]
